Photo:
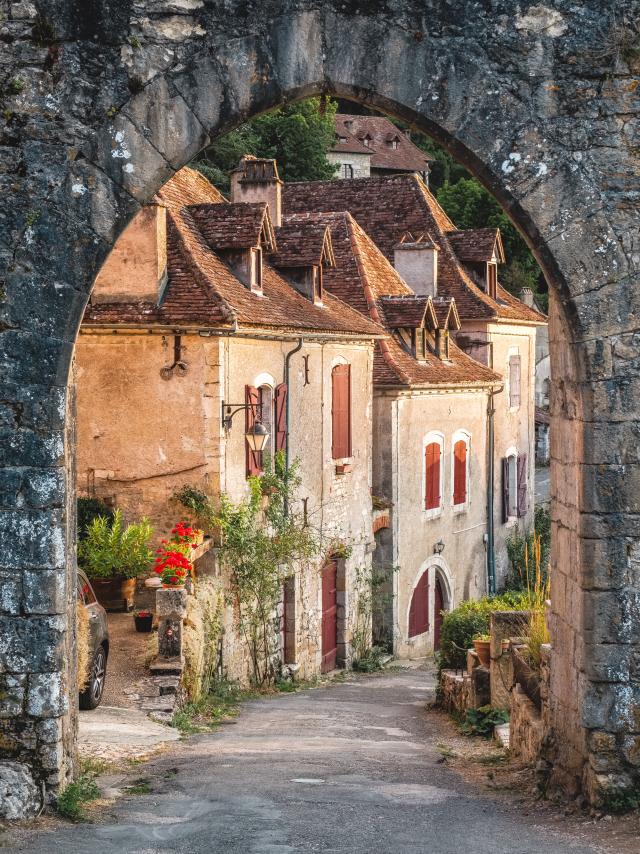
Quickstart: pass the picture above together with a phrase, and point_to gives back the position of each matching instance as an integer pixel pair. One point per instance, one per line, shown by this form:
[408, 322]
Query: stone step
[161, 666]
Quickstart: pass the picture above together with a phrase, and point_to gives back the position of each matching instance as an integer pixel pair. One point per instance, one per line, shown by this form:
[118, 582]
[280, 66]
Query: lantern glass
[257, 436]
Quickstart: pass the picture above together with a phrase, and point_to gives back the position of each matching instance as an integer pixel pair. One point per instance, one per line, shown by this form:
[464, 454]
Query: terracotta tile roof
[366, 280]
[234, 226]
[447, 313]
[188, 187]
[303, 240]
[348, 144]
[407, 312]
[477, 244]
[387, 207]
[407, 157]
[203, 292]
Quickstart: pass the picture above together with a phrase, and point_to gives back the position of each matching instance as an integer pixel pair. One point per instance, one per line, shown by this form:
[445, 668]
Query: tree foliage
[296, 135]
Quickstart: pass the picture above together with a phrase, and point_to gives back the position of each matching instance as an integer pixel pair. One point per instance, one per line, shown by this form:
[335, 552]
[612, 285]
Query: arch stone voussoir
[537, 100]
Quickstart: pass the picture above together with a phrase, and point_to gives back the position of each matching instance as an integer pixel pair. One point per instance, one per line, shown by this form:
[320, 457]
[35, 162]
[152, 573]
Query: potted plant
[114, 556]
[143, 620]
[482, 646]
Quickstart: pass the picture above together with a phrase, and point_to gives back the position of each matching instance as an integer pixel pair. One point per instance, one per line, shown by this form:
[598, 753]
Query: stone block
[43, 591]
[45, 695]
[12, 691]
[31, 645]
[171, 602]
[10, 593]
[20, 797]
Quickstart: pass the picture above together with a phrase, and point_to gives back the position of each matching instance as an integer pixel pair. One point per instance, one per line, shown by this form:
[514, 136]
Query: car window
[85, 593]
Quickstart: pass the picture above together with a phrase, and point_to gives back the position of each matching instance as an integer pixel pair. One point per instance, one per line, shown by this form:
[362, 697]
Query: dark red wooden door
[329, 616]
[437, 621]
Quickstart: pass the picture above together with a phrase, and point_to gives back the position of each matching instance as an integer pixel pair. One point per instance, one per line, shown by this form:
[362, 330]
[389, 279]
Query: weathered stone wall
[102, 102]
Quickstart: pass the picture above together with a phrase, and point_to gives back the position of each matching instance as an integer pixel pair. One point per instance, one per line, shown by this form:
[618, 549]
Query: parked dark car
[99, 644]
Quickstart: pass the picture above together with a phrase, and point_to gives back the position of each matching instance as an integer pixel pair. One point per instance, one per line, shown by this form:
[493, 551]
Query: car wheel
[91, 696]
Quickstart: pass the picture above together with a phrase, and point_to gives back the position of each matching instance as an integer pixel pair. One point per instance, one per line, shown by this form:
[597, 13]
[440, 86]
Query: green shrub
[482, 721]
[110, 550]
[81, 791]
[522, 572]
[470, 619]
[371, 661]
[87, 510]
[618, 800]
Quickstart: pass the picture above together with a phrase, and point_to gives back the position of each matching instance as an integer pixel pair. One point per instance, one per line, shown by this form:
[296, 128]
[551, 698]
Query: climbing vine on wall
[262, 541]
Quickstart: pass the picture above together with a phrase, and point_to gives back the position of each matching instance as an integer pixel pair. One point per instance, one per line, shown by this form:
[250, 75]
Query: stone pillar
[171, 608]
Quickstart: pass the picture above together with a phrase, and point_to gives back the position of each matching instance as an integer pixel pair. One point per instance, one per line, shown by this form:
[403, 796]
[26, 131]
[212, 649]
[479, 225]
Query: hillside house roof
[390, 148]
[203, 292]
[389, 206]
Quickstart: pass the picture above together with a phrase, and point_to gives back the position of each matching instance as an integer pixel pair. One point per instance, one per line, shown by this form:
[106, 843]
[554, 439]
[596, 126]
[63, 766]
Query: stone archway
[101, 107]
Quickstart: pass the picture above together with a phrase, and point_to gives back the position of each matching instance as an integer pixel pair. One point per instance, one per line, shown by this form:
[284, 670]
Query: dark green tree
[297, 136]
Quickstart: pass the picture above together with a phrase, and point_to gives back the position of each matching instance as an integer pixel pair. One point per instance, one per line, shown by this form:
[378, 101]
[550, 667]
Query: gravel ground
[126, 665]
[356, 767]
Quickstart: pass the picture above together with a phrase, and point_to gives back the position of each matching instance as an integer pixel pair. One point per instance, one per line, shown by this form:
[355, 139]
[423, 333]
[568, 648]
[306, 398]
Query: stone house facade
[457, 399]
[366, 146]
[205, 303]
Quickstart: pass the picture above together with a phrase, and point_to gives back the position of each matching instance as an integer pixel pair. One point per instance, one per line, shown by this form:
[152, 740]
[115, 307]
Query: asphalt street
[351, 767]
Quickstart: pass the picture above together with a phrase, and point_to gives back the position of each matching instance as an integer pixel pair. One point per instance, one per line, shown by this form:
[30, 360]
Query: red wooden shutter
[514, 381]
[505, 489]
[341, 412]
[460, 472]
[252, 399]
[523, 486]
[432, 475]
[281, 417]
[419, 610]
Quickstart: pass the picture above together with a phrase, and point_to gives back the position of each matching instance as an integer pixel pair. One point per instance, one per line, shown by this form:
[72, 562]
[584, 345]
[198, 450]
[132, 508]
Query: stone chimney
[136, 269]
[526, 296]
[256, 179]
[416, 261]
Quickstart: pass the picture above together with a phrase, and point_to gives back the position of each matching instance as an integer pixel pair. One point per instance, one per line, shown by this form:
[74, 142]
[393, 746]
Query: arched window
[460, 468]
[419, 610]
[433, 453]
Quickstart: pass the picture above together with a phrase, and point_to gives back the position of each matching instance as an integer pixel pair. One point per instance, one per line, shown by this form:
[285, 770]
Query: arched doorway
[70, 200]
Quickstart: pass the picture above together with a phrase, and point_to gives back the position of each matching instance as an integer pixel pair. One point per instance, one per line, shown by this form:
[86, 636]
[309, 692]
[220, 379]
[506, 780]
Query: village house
[205, 307]
[372, 145]
[429, 441]
[498, 332]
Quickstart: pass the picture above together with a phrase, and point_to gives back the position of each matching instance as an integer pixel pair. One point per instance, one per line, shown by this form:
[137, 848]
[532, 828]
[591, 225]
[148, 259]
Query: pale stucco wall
[401, 426]
[140, 438]
[514, 427]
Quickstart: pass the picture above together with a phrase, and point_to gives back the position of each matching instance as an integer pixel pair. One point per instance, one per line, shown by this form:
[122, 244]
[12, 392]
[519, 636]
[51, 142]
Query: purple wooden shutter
[505, 489]
[281, 417]
[523, 486]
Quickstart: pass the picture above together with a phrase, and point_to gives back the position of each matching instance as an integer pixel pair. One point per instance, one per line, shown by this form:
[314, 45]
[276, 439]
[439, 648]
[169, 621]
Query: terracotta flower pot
[483, 650]
[166, 586]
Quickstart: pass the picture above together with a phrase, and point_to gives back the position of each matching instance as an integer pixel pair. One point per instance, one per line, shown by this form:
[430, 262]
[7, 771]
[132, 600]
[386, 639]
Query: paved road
[348, 768]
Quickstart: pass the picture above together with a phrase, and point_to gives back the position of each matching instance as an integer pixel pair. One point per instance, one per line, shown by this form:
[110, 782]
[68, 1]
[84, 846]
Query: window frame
[461, 436]
[343, 170]
[433, 437]
[512, 517]
[514, 352]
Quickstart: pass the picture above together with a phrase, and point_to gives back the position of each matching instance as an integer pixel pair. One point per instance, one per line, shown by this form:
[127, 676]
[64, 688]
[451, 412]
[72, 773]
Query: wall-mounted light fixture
[438, 547]
[257, 435]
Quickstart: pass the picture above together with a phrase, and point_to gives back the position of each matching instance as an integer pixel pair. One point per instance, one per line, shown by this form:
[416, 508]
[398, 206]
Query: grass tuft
[72, 800]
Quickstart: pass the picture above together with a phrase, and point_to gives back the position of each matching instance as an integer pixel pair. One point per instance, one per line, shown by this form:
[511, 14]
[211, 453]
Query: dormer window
[366, 140]
[492, 279]
[256, 270]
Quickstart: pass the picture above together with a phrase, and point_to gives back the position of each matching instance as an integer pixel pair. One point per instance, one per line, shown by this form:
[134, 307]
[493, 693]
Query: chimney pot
[256, 179]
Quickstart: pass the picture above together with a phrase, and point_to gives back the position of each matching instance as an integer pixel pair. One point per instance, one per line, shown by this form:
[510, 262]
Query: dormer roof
[447, 313]
[409, 312]
[304, 240]
[235, 226]
[477, 244]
